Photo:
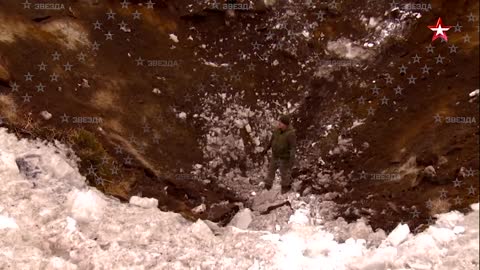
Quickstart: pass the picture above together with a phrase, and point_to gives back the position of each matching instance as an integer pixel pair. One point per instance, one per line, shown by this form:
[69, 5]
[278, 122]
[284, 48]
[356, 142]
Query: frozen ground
[50, 219]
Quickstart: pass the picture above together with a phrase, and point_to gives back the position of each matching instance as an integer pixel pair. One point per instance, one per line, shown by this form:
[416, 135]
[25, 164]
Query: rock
[242, 219]
[174, 38]
[29, 166]
[144, 202]
[182, 115]
[46, 115]
[474, 93]
[201, 230]
[398, 235]
[156, 91]
[199, 209]
[429, 172]
[217, 230]
[267, 200]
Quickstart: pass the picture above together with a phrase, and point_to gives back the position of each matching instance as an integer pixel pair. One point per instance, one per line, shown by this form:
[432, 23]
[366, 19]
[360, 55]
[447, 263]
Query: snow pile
[55, 221]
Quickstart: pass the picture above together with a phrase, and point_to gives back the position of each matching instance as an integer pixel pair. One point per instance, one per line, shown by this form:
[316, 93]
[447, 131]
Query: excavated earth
[133, 80]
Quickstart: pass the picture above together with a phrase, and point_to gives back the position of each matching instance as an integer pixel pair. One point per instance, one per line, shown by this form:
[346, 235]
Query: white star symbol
[458, 27]
[411, 79]
[125, 4]
[40, 87]
[26, 4]
[430, 48]
[416, 58]
[150, 4]
[111, 15]
[398, 90]
[453, 48]
[426, 69]
[403, 69]
[97, 25]
[42, 66]
[139, 61]
[56, 56]
[108, 36]
[375, 90]
[26, 97]
[439, 59]
[28, 76]
[54, 77]
[136, 15]
[68, 66]
[438, 118]
[14, 87]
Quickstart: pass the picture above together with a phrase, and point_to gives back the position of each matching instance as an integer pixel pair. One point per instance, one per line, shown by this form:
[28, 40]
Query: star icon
[438, 118]
[471, 17]
[256, 45]
[150, 4]
[403, 69]
[389, 80]
[471, 190]
[251, 67]
[385, 100]
[453, 48]
[458, 200]
[111, 15]
[40, 87]
[426, 69]
[125, 4]
[411, 79]
[54, 77]
[443, 193]
[108, 36]
[56, 56]
[114, 170]
[139, 61]
[398, 90]
[26, 4]
[95, 46]
[371, 111]
[429, 204]
[26, 97]
[105, 160]
[361, 100]
[457, 183]
[65, 118]
[469, 172]
[439, 59]
[321, 15]
[28, 77]
[415, 213]
[90, 170]
[14, 87]
[416, 58]
[68, 66]
[127, 160]
[439, 30]
[118, 150]
[466, 38]
[363, 175]
[97, 25]
[458, 27]
[81, 57]
[430, 48]
[375, 90]
[122, 25]
[42, 67]
[431, 220]
[136, 15]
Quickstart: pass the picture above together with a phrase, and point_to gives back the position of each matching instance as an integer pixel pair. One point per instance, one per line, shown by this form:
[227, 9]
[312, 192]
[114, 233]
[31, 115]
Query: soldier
[283, 143]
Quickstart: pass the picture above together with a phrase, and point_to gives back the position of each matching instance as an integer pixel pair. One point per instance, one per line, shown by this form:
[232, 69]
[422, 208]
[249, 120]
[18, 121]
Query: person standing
[283, 145]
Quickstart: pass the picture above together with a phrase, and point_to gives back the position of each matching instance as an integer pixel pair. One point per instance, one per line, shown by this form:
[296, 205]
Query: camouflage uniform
[283, 145]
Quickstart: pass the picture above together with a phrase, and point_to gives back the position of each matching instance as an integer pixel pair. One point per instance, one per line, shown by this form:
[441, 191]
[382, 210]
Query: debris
[182, 115]
[199, 209]
[156, 91]
[46, 115]
[174, 38]
[144, 202]
[242, 219]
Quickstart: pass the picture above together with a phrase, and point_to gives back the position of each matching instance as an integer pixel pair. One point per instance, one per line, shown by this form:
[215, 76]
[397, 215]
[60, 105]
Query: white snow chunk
[144, 202]
[182, 115]
[199, 209]
[46, 115]
[399, 234]
[174, 38]
[474, 93]
[86, 205]
[7, 223]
